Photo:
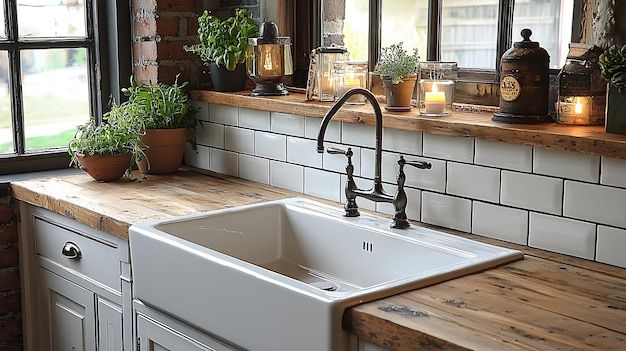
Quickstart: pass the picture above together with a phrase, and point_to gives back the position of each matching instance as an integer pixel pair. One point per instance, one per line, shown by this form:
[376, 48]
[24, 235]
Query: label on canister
[510, 89]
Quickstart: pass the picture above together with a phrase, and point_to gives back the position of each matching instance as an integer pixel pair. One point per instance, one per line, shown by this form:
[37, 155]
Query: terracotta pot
[105, 168]
[165, 150]
[399, 95]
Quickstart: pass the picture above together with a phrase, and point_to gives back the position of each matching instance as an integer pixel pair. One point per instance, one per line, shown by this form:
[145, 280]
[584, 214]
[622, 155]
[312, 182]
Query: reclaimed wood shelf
[584, 139]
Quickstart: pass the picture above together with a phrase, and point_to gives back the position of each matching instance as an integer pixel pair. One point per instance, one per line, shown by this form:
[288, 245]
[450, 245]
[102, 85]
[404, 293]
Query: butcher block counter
[547, 301]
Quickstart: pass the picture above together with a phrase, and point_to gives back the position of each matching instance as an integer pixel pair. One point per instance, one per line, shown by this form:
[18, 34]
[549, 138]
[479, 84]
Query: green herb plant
[224, 43]
[613, 65]
[105, 139]
[396, 63]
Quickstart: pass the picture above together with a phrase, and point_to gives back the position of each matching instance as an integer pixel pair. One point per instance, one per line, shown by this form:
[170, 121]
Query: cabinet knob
[71, 251]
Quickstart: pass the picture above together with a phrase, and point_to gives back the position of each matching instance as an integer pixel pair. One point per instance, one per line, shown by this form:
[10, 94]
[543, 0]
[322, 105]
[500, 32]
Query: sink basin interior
[323, 249]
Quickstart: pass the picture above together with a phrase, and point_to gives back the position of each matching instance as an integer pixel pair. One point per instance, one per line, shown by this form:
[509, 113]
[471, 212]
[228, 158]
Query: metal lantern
[582, 92]
[524, 83]
[269, 60]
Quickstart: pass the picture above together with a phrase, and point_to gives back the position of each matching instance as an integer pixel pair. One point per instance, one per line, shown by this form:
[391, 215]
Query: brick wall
[10, 305]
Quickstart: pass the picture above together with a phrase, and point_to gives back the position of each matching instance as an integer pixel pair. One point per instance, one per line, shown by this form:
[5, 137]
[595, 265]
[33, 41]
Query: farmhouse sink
[278, 276]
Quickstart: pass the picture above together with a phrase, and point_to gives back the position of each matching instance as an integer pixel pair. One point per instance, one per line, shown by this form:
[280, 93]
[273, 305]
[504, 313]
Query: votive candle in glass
[436, 88]
[350, 75]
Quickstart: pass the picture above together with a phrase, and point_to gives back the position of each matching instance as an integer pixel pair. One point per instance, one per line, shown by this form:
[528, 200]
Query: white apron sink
[278, 276]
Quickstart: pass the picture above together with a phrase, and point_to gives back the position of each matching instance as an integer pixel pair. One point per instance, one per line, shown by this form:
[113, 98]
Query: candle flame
[434, 88]
[578, 108]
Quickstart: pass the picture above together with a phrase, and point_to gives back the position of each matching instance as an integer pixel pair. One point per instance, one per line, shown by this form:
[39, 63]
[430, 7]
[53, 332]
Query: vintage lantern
[582, 92]
[524, 83]
[269, 60]
[321, 84]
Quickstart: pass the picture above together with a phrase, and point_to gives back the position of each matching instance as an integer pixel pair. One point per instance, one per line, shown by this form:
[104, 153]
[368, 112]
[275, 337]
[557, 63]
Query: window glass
[347, 26]
[551, 23]
[55, 88]
[6, 131]
[469, 32]
[3, 33]
[406, 21]
[51, 18]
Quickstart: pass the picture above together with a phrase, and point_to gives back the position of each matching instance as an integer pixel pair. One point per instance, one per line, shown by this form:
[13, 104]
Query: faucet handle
[338, 151]
[417, 164]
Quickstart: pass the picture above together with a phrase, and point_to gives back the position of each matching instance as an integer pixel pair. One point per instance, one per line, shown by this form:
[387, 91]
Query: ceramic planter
[224, 80]
[105, 168]
[615, 111]
[165, 150]
[399, 95]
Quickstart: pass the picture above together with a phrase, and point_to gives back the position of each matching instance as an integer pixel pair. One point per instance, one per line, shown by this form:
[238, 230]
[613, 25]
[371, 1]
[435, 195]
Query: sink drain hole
[326, 286]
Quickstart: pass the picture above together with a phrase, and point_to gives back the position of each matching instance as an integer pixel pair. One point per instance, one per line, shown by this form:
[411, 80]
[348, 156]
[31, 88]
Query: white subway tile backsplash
[402, 141]
[566, 164]
[202, 110]
[289, 124]
[197, 158]
[613, 172]
[533, 192]
[338, 163]
[224, 162]
[611, 246]
[254, 119]
[223, 114]
[270, 145]
[477, 182]
[413, 206]
[287, 176]
[323, 184]
[504, 155]
[358, 134]
[428, 179]
[450, 148]
[361, 183]
[446, 211]
[596, 203]
[562, 235]
[498, 222]
[312, 128]
[388, 165]
[303, 152]
[210, 134]
[239, 140]
[255, 169]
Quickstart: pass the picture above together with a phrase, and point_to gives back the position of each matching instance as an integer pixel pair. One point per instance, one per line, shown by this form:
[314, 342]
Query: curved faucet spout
[379, 125]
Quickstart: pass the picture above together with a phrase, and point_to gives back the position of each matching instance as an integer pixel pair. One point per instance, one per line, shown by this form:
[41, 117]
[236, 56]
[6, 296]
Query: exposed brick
[10, 329]
[146, 74]
[6, 213]
[145, 51]
[192, 26]
[179, 5]
[8, 233]
[174, 50]
[167, 74]
[10, 303]
[144, 5]
[13, 346]
[9, 280]
[335, 10]
[145, 28]
[167, 26]
[9, 257]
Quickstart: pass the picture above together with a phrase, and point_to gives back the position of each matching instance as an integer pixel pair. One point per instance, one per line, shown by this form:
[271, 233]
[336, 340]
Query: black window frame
[109, 63]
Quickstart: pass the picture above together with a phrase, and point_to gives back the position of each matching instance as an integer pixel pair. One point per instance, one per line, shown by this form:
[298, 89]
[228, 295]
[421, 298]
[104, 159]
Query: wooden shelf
[584, 139]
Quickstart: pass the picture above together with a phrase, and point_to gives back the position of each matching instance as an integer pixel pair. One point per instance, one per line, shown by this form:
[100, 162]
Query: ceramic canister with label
[524, 83]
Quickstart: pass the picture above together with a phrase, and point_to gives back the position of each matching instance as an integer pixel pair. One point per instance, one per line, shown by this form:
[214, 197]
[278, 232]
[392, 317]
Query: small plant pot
[615, 111]
[224, 80]
[399, 95]
[105, 168]
[165, 150]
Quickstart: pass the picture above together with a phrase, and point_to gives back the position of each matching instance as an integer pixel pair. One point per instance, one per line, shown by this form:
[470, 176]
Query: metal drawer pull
[71, 251]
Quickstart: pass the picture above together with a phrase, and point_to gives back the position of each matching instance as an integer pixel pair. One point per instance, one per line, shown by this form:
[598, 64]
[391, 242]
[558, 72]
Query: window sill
[584, 139]
[42, 161]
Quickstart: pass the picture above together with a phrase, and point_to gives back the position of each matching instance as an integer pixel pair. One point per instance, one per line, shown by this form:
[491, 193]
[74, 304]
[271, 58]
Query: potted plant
[164, 117]
[613, 65]
[105, 151]
[398, 70]
[223, 46]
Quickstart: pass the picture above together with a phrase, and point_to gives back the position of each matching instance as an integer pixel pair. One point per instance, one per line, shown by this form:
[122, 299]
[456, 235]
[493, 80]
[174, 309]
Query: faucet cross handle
[418, 164]
[348, 153]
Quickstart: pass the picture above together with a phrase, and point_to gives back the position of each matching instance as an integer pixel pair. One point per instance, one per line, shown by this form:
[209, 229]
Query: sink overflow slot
[369, 247]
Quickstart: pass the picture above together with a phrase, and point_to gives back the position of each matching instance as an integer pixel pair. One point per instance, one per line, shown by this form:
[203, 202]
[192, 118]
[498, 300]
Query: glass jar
[325, 82]
[436, 88]
[349, 75]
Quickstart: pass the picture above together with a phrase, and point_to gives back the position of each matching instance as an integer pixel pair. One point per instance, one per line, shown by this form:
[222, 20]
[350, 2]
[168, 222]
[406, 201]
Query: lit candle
[435, 101]
[579, 107]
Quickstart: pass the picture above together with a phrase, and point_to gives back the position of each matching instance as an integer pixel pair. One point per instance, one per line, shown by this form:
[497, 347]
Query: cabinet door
[109, 326]
[68, 314]
[154, 336]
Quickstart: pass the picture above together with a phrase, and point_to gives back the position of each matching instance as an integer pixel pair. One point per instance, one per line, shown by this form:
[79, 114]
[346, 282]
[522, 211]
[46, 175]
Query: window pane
[51, 18]
[406, 21]
[470, 32]
[6, 131]
[55, 87]
[551, 23]
[347, 26]
[2, 27]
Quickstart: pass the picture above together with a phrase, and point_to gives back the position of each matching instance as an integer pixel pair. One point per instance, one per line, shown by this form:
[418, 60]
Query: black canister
[524, 83]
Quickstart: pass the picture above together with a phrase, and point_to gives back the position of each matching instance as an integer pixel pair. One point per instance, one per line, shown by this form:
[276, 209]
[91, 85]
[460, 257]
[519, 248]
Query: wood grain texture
[584, 139]
[547, 301]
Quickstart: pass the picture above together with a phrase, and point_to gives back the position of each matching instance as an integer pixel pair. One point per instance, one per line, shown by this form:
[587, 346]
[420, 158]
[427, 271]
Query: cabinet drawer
[92, 258]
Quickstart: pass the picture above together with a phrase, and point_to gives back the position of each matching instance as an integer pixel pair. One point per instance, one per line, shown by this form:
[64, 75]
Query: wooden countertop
[545, 302]
[584, 139]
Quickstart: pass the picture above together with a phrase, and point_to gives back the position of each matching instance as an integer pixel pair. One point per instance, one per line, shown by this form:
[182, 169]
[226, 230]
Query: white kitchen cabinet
[110, 322]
